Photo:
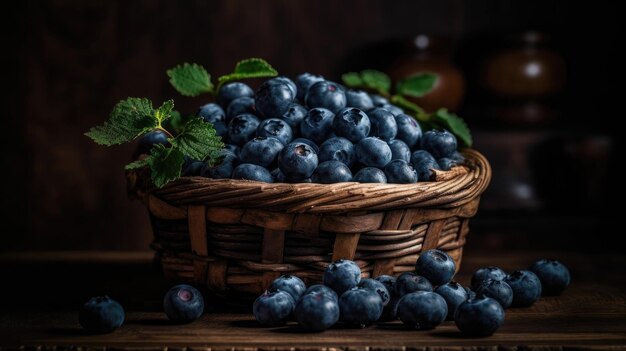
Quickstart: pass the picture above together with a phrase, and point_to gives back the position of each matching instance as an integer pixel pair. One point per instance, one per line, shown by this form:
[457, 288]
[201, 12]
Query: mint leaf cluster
[416, 85]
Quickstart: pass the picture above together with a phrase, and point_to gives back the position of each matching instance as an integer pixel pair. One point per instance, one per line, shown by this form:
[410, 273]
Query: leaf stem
[169, 135]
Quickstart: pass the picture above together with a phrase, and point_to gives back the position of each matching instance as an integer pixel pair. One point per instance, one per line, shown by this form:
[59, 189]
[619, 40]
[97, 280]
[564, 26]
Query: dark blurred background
[536, 81]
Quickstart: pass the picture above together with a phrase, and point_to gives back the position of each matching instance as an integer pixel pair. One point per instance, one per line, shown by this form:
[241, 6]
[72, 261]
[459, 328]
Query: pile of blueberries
[421, 300]
[314, 130]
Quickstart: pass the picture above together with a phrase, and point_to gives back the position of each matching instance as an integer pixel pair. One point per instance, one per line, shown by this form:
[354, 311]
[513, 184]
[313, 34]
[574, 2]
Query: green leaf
[164, 111]
[129, 119]
[376, 80]
[454, 124]
[190, 79]
[165, 164]
[198, 140]
[417, 85]
[249, 68]
[136, 164]
[352, 79]
[178, 121]
[407, 105]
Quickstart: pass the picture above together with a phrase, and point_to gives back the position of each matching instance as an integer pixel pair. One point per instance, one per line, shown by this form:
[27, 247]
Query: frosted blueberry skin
[424, 164]
[352, 124]
[249, 171]
[409, 282]
[337, 149]
[387, 281]
[360, 306]
[497, 290]
[224, 169]
[422, 310]
[479, 316]
[275, 128]
[147, 142]
[325, 94]
[554, 276]
[384, 124]
[436, 266]
[370, 175]
[399, 150]
[309, 142]
[526, 288]
[317, 311]
[290, 284]
[294, 116]
[330, 172]
[379, 287]
[211, 113]
[242, 129]
[261, 151]
[378, 100]
[440, 143]
[183, 304]
[290, 83]
[101, 315]
[231, 91]
[485, 273]
[317, 126]
[373, 152]
[342, 275]
[409, 130]
[273, 99]
[454, 294]
[359, 99]
[273, 308]
[304, 82]
[322, 289]
[400, 172]
[297, 161]
[393, 109]
[240, 106]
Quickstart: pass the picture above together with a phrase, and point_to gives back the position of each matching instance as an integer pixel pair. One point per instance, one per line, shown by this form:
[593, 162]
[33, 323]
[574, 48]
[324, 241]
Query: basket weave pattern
[233, 235]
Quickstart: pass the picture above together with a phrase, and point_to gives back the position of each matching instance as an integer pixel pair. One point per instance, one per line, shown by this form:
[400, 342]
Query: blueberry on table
[370, 175]
[101, 315]
[378, 100]
[440, 143]
[211, 113]
[342, 275]
[454, 294]
[485, 273]
[337, 149]
[290, 284]
[390, 311]
[387, 281]
[309, 142]
[497, 290]
[322, 289]
[294, 116]
[183, 304]
[436, 266]
[329, 172]
[242, 129]
[224, 169]
[231, 91]
[481, 316]
[261, 151]
[384, 125]
[373, 152]
[554, 276]
[149, 140]
[297, 161]
[360, 306]
[526, 288]
[400, 172]
[409, 130]
[409, 282]
[422, 310]
[304, 82]
[290, 83]
[275, 128]
[273, 99]
[240, 106]
[273, 308]
[359, 99]
[249, 171]
[327, 95]
[317, 125]
[399, 150]
[379, 287]
[424, 164]
[317, 311]
[352, 124]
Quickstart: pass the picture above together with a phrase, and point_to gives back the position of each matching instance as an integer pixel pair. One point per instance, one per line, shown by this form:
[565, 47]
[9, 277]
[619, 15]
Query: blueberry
[101, 315]
[273, 99]
[194, 169]
[424, 164]
[387, 281]
[317, 311]
[379, 287]
[446, 163]
[370, 175]
[326, 94]
[470, 293]
[393, 109]
[390, 311]
[359, 99]
[554, 276]
[409, 282]
[273, 308]
[409, 130]
[183, 304]
[360, 306]
[294, 116]
[342, 275]
[221, 129]
[291, 284]
[373, 152]
[297, 161]
[436, 266]
[309, 142]
[278, 176]
[275, 128]
[337, 149]
[149, 140]
[384, 124]
[231, 91]
[304, 82]
[440, 143]
[329, 172]
[399, 150]
[322, 289]
[485, 273]
[224, 168]
[288, 82]
[479, 317]
[242, 129]
[422, 310]
[400, 172]
[240, 106]
[232, 148]
[211, 113]
[251, 171]
[317, 125]
[526, 288]
[458, 157]
[454, 294]
[378, 100]
[497, 290]
[352, 124]
[261, 151]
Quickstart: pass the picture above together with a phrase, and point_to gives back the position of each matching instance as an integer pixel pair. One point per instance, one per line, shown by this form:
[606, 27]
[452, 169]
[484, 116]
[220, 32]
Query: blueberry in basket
[231, 91]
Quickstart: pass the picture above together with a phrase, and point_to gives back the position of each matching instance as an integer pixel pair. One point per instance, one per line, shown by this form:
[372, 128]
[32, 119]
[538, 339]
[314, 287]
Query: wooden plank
[345, 246]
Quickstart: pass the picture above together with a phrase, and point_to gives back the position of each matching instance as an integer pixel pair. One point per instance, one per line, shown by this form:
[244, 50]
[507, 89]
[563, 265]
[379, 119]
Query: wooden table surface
[590, 314]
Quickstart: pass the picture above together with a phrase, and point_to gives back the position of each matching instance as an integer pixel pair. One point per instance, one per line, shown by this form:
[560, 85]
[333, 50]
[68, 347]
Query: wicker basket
[237, 236]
